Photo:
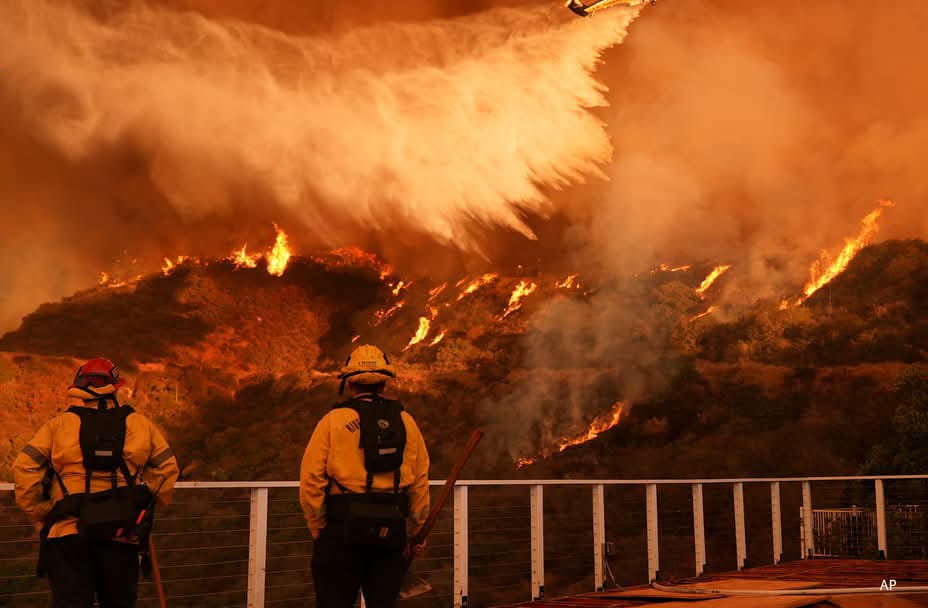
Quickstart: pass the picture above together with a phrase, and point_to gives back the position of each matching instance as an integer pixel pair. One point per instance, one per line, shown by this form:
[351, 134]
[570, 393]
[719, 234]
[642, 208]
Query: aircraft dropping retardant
[585, 10]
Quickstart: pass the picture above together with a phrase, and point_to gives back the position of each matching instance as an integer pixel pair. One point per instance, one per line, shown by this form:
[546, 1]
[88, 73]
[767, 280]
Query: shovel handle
[156, 573]
[426, 528]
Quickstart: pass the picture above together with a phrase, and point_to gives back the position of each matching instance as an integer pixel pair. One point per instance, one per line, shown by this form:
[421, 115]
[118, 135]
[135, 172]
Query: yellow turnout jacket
[334, 452]
[57, 444]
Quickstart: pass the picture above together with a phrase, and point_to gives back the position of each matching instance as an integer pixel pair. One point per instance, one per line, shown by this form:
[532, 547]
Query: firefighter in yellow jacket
[84, 481]
[364, 488]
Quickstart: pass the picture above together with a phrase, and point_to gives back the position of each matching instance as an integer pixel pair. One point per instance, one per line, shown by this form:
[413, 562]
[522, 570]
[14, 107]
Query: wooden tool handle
[156, 573]
[447, 488]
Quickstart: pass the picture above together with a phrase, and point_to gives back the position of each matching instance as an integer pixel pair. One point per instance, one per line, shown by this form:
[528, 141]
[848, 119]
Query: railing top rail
[216, 485]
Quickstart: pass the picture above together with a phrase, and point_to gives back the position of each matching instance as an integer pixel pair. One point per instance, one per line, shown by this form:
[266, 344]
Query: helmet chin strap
[100, 398]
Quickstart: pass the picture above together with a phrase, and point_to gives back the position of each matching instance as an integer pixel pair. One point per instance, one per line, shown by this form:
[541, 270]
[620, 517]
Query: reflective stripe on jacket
[57, 444]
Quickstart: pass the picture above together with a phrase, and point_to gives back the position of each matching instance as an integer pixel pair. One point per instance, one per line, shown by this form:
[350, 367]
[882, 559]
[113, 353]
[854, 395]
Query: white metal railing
[536, 568]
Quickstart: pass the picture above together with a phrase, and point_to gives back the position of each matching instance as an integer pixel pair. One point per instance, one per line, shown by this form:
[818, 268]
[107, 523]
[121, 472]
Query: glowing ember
[476, 284]
[421, 333]
[242, 259]
[435, 292]
[711, 310]
[522, 290]
[382, 315]
[712, 278]
[437, 338]
[570, 282]
[279, 256]
[822, 273]
[600, 425]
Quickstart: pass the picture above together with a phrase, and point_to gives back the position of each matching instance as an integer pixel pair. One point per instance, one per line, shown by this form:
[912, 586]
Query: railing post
[461, 540]
[776, 522]
[538, 542]
[653, 548]
[599, 534]
[257, 547]
[741, 550]
[699, 529]
[808, 541]
[880, 518]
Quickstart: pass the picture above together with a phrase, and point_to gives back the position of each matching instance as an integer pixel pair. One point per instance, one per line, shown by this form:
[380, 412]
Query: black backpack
[375, 518]
[114, 512]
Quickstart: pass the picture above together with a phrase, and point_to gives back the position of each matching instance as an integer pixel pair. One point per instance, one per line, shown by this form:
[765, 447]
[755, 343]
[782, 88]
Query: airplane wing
[584, 10]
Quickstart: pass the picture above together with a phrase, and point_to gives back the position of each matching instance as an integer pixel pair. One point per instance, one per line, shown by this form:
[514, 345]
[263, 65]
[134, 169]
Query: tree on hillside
[905, 451]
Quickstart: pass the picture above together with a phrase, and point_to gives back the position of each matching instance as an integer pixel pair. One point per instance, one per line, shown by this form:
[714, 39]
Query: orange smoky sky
[716, 130]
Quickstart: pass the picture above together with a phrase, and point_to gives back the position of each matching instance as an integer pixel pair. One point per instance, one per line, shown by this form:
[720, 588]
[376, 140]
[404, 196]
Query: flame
[475, 284]
[712, 278]
[279, 256]
[400, 286]
[669, 268]
[522, 290]
[435, 292]
[167, 267]
[433, 311]
[382, 315]
[599, 425]
[570, 282]
[355, 339]
[708, 312]
[355, 256]
[104, 278]
[242, 259]
[821, 277]
[438, 338]
[421, 333]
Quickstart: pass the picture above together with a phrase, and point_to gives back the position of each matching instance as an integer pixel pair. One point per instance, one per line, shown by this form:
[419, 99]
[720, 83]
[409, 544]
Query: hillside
[238, 365]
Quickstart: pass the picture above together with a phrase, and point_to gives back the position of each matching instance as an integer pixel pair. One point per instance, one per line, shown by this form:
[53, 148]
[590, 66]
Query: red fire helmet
[98, 373]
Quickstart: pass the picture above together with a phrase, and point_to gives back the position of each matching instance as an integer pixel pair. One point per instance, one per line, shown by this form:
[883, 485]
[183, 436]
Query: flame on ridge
[571, 282]
[523, 289]
[597, 427]
[717, 272]
[421, 333]
[821, 273]
[476, 284]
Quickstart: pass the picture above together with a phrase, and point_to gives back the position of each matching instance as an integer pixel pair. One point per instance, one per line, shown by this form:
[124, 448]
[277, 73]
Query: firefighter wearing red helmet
[364, 488]
[89, 480]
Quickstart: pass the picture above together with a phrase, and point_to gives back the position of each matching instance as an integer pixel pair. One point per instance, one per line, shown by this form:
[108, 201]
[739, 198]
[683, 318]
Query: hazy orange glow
[421, 333]
[476, 284]
[279, 255]
[522, 290]
[822, 272]
[712, 278]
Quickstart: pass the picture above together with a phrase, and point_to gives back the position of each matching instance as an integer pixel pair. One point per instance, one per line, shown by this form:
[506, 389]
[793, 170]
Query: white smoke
[428, 124]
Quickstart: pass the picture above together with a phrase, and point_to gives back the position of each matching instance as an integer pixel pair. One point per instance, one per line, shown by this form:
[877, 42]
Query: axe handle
[423, 533]
[156, 573]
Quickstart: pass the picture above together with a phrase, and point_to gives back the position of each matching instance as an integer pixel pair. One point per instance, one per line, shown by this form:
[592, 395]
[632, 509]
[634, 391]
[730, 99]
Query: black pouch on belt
[371, 519]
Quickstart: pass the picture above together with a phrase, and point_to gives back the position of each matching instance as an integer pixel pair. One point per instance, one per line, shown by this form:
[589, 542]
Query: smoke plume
[194, 125]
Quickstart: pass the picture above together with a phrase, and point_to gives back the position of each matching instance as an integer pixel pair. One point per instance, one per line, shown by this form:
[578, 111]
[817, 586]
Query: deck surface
[803, 574]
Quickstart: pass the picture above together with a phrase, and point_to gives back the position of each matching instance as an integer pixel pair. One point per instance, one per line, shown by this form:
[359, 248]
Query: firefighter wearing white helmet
[364, 488]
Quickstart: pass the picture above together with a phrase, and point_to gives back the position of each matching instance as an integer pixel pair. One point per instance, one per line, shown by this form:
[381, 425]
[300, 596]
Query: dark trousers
[340, 570]
[78, 569]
